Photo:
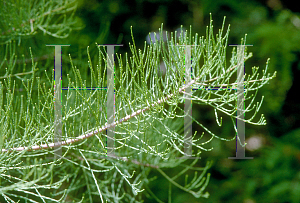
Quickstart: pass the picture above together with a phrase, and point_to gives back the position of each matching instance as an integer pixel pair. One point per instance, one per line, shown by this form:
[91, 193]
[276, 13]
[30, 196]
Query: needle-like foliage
[21, 19]
[148, 123]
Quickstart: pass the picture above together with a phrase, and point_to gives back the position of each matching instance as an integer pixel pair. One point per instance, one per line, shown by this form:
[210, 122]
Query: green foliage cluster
[147, 142]
[23, 19]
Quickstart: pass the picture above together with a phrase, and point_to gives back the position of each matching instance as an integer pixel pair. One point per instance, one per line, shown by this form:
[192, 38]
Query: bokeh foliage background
[272, 27]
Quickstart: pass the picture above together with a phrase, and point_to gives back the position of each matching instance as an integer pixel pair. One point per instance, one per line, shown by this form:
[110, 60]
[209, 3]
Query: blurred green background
[273, 28]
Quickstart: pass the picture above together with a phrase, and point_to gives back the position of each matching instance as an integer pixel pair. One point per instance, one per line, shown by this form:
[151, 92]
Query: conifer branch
[154, 135]
[126, 118]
